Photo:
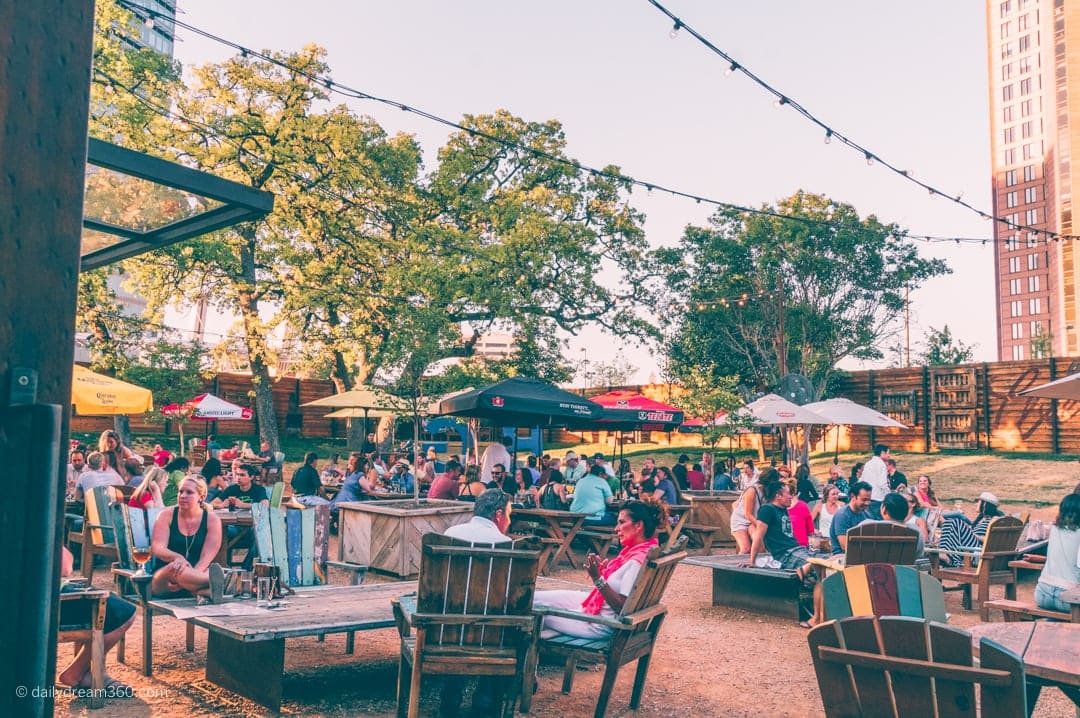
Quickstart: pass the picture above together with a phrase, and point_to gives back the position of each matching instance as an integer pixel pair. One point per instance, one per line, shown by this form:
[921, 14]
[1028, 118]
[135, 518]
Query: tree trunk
[122, 426]
[255, 343]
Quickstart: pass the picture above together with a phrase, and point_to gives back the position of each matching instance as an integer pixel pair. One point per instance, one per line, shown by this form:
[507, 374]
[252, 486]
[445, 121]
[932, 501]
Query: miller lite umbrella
[627, 410]
[208, 408]
[521, 401]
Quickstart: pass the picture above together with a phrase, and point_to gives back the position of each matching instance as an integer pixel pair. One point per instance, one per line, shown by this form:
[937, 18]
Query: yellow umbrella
[98, 395]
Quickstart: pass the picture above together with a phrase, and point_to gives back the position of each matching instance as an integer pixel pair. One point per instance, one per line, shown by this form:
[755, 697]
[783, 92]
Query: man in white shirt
[574, 469]
[95, 476]
[497, 453]
[490, 521]
[598, 460]
[876, 473]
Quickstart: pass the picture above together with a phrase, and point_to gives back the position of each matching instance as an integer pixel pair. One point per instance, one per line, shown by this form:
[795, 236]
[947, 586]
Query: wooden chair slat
[873, 684]
[953, 647]
[913, 694]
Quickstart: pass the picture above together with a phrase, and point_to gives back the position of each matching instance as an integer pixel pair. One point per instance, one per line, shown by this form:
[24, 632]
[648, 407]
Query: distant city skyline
[664, 111]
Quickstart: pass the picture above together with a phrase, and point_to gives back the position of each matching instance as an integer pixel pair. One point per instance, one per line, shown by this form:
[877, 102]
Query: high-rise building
[1034, 86]
[157, 28]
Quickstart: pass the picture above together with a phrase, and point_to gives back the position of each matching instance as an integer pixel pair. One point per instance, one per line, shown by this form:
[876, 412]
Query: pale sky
[906, 80]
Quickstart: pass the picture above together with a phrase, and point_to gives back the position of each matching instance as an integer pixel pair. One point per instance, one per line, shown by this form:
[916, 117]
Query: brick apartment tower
[1034, 64]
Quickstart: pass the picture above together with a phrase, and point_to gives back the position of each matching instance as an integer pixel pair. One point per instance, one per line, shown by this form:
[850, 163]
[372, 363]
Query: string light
[780, 101]
[870, 156]
[347, 91]
[675, 30]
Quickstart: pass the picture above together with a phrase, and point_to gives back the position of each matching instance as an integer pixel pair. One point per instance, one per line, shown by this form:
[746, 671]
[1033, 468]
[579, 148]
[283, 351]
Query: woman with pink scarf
[612, 579]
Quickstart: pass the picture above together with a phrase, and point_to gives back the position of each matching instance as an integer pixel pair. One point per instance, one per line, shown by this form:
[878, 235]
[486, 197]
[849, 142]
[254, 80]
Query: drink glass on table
[141, 554]
[263, 592]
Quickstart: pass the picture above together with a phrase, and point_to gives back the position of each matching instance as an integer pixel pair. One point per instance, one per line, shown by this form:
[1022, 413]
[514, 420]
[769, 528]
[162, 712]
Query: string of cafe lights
[344, 90]
[783, 99]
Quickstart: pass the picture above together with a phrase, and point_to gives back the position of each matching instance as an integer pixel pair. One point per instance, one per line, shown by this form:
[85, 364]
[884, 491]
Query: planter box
[713, 509]
[385, 535]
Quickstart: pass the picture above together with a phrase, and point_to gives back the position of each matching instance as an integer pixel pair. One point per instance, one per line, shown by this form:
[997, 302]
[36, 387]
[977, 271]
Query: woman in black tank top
[185, 541]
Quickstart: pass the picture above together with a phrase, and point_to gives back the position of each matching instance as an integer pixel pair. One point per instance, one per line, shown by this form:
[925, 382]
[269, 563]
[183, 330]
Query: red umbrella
[629, 410]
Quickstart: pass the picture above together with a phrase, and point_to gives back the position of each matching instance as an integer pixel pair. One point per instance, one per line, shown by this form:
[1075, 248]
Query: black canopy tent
[521, 402]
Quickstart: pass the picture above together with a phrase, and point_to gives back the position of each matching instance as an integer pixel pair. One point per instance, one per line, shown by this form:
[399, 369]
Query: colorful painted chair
[881, 589]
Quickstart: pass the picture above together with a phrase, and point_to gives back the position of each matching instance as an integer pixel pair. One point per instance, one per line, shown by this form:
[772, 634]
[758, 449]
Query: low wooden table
[241, 518]
[1051, 653]
[557, 526]
[773, 591]
[246, 653]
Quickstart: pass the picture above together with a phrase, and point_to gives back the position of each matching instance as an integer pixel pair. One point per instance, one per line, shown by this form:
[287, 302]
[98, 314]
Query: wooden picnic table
[557, 527]
[1051, 653]
[245, 652]
[241, 518]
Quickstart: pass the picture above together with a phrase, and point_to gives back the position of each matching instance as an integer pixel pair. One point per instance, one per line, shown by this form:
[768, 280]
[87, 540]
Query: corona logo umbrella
[95, 394]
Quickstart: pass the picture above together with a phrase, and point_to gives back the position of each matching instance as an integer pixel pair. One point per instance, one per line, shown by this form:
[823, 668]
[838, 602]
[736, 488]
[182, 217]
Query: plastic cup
[263, 594]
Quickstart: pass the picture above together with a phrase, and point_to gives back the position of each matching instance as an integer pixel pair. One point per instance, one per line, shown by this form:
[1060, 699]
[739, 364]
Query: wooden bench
[766, 590]
[599, 539]
[702, 536]
[91, 631]
[1019, 610]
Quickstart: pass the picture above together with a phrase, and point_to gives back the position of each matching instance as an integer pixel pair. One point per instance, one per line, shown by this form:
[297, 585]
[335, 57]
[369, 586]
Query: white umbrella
[772, 409]
[845, 411]
[1067, 388]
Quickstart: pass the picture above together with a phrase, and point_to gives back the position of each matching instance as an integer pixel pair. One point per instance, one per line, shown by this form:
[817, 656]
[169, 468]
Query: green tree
[942, 349]
[707, 394]
[835, 280]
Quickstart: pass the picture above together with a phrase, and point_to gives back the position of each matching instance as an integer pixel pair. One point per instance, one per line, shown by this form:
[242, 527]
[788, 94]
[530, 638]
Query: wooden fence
[971, 406]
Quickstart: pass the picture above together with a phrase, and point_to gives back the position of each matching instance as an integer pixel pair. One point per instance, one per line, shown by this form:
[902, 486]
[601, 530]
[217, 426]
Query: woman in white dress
[824, 511]
[613, 579]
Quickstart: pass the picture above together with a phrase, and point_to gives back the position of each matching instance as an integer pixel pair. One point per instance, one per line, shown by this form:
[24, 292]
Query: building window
[1010, 156]
[1025, 108]
[1033, 283]
[1024, 64]
[1022, 23]
[1006, 7]
[1012, 243]
[1035, 306]
[1018, 330]
[1029, 173]
[1006, 50]
[1031, 216]
[1033, 261]
[1025, 130]
[1014, 265]
[1010, 199]
[1014, 286]
[1016, 308]
[1010, 178]
[1018, 352]
[1033, 239]
[1007, 93]
[1027, 152]
[1012, 219]
[1036, 329]
[1025, 43]
[1031, 194]
[1009, 135]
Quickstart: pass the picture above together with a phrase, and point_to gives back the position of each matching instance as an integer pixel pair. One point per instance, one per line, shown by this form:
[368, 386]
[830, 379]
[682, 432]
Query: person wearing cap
[574, 470]
[402, 477]
[598, 460]
[959, 533]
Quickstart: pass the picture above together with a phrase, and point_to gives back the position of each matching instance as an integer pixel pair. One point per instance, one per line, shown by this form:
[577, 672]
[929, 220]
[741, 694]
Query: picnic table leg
[252, 669]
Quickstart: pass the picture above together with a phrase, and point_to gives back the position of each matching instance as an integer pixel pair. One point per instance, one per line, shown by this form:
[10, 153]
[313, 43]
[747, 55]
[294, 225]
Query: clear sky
[906, 80]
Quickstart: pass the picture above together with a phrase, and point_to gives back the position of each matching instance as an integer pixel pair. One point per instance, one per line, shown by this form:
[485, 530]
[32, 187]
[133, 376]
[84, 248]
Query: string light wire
[350, 92]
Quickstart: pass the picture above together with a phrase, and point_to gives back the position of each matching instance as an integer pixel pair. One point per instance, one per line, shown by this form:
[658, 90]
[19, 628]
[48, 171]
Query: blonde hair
[200, 484]
[152, 474]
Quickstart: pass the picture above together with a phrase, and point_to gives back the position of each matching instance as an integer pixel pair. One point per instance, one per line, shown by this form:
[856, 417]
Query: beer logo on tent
[497, 401]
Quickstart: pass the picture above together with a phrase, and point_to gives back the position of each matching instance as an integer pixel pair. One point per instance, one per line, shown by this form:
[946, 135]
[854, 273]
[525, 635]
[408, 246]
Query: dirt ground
[711, 661]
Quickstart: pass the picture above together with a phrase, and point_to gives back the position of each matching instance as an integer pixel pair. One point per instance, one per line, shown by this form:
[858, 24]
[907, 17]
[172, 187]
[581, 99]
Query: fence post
[871, 403]
[926, 408]
[1055, 428]
[986, 401]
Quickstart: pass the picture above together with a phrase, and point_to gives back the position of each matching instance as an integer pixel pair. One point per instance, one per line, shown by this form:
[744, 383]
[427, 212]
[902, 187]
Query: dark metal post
[986, 401]
[926, 408]
[1055, 423]
[44, 101]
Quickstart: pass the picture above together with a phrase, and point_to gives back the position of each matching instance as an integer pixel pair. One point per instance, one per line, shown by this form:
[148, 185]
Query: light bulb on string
[869, 159]
[149, 23]
[734, 66]
[828, 137]
[780, 102]
[675, 30]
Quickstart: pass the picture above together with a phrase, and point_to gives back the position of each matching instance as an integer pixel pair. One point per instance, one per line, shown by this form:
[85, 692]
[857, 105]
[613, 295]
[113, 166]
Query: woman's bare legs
[742, 540]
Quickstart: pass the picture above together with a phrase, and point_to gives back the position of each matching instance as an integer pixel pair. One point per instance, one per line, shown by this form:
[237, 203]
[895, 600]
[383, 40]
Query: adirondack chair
[91, 630]
[473, 617]
[134, 527]
[95, 537]
[874, 542]
[879, 667]
[634, 630]
[880, 589]
[999, 548]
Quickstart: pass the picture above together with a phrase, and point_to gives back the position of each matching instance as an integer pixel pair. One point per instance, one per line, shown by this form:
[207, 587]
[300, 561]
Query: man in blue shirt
[591, 495]
[851, 515]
